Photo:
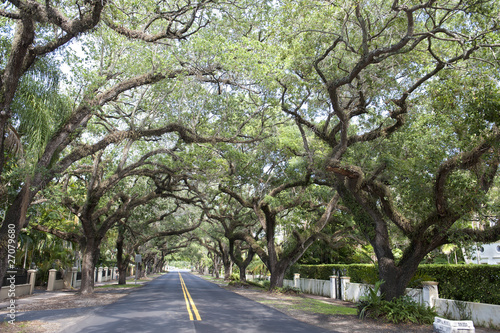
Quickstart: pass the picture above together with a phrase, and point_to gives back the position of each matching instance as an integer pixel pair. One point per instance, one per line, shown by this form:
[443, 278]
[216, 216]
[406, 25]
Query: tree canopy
[276, 124]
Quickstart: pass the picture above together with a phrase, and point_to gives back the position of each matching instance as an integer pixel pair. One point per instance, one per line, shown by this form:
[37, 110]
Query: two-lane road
[180, 302]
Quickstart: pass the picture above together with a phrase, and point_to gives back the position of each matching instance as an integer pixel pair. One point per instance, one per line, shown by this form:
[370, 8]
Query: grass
[317, 306]
[311, 305]
[209, 277]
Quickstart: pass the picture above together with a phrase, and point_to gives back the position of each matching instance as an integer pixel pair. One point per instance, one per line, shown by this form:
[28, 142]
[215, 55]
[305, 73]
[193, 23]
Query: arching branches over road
[374, 78]
[114, 77]
[279, 257]
[168, 21]
[154, 251]
[235, 221]
[102, 194]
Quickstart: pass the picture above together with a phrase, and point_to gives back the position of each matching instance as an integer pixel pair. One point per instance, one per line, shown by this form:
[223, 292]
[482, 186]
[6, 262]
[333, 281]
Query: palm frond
[13, 143]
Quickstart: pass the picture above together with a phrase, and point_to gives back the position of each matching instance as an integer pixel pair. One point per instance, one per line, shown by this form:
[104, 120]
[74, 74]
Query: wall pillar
[333, 286]
[296, 280]
[430, 292]
[32, 274]
[106, 275]
[345, 281]
[52, 279]
[74, 272]
[99, 274]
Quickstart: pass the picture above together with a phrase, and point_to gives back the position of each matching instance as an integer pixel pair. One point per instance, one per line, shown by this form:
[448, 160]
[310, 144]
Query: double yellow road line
[189, 302]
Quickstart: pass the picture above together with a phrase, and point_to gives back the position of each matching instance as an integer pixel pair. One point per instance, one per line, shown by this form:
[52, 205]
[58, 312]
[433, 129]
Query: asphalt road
[180, 302]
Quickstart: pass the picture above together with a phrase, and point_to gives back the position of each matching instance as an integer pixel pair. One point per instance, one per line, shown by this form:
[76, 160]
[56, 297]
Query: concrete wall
[54, 284]
[14, 291]
[487, 315]
[20, 290]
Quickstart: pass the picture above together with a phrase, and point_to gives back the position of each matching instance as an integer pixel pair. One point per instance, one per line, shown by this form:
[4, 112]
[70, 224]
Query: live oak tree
[29, 40]
[395, 107]
[55, 27]
[289, 207]
[218, 252]
[235, 220]
[110, 193]
[356, 72]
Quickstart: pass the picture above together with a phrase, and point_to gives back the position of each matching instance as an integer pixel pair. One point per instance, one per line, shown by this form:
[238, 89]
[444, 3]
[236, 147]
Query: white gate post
[296, 280]
[430, 292]
[32, 273]
[345, 281]
[333, 286]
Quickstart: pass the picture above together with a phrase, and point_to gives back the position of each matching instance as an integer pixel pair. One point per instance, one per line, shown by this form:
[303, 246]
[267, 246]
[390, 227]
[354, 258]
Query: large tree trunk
[122, 260]
[122, 274]
[243, 264]
[397, 276]
[226, 261]
[237, 257]
[228, 270]
[276, 267]
[216, 262]
[277, 276]
[15, 218]
[90, 256]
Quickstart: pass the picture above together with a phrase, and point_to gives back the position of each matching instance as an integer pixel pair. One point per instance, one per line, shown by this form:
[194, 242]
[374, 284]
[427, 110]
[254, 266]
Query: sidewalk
[40, 295]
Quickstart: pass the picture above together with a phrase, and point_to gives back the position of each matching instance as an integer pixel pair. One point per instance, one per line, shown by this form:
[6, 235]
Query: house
[486, 254]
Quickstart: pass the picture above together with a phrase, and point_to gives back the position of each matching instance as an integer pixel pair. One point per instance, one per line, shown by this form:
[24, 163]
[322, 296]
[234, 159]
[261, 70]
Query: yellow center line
[189, 301]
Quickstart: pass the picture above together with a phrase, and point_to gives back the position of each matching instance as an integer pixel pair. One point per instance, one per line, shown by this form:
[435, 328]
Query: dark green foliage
[370, 304]
[402, 310]
[287, 290]
[471, 283]
[359, 273]
[399, 310]
[234, 277]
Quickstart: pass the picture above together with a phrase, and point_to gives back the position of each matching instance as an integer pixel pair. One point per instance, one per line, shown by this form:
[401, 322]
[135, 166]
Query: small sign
[442, 325]
[138, 258]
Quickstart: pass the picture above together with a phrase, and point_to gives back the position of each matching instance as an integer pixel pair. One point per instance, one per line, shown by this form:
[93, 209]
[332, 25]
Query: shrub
[234, 277]
[359, 273]
[287, 290]
[399, 310]
[404, 309]
[470, 283]
[371, 302]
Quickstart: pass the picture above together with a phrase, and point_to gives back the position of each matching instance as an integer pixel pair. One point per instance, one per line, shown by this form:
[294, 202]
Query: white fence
[487, 315]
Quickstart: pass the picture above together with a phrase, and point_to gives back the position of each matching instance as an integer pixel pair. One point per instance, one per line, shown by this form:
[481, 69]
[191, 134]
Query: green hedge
[359, 273]
[472, 283]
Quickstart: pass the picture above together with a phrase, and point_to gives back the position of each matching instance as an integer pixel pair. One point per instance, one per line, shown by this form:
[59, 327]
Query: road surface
[180, 302]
